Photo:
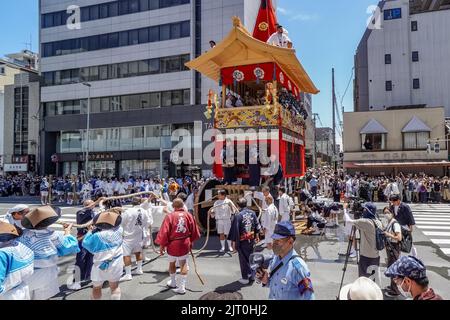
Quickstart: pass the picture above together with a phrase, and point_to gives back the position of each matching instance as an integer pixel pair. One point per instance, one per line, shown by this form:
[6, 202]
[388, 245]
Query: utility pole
[315, 115]
[334, 123]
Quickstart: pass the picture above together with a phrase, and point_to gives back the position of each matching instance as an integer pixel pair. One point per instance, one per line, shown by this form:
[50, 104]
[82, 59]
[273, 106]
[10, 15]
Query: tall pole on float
[334, 123]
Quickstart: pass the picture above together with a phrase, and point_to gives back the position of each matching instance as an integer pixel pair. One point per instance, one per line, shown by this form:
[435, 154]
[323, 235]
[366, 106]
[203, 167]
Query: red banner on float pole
[265, 22]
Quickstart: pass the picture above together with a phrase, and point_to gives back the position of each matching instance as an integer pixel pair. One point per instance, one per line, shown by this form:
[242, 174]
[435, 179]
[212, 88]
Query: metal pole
[86, 168]
[315, 141]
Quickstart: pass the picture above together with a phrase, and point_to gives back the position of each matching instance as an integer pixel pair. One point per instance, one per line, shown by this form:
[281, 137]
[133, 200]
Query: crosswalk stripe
[446, 250]
[440, 241]
[446, 223]
[431, 219]
[420, 216]
[437, 233]
[431, 213]
[433, 227]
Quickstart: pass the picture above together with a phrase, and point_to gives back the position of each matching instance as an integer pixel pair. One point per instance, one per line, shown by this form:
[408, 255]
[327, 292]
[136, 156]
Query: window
[388, 85]
[145, 100]
[143, 5]
[85, 14]
[103, 72]
[104, 105]
[166, 98]
[125, 102]
[123, 7]
[155, 99]
[113, 9]
[414, 26]
[133, 37]
[184, 59]
[93, 43]
[154, 66]
[143, 67]
[93, 13]
[58, 19]
[187, 97]
[415, 140]
[113, 71]
[143, 35]
[123, 70]
[84, 74]
[153, 34]
[416, 83]
[415, 56]
[93, 73]
[177, 97]
[164, 32]
[171, 64]
[103, 41]
[123, 39]
[387, 59]
[48, 20]
[154, 4]
[75, 78]
[65, 77]
[373, 141]
[185, 29]
[48, 76]
[134, 6]
[113, 40]
[133, 68]
[135, 101]
[175, 31]
[103, 11]
[95, 105]
[392, 14]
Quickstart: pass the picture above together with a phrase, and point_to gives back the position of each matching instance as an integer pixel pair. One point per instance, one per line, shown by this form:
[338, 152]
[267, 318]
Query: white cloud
[303, 17]
[282, 11]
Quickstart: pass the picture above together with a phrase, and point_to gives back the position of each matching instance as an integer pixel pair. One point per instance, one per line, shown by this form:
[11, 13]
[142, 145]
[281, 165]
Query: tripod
[352, 238]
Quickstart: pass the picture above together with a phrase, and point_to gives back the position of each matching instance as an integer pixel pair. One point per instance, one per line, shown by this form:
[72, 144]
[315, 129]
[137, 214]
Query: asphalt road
[221, 271]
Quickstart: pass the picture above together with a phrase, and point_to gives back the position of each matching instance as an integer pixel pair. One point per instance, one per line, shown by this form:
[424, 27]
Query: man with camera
[367, 225]
[288, 276]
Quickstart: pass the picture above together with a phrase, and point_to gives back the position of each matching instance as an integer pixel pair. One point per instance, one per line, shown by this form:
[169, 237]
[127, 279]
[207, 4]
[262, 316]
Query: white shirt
[134, 221]
[286, 204]
[260, 196]
[269, 217]
[279, 40]
[222, 210]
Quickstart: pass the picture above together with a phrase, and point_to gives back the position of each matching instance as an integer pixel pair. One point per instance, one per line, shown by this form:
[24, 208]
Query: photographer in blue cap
[288, 276]
[410, 276]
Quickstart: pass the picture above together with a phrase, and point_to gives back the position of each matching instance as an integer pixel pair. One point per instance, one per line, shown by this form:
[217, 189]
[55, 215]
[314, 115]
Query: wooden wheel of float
[201, 211]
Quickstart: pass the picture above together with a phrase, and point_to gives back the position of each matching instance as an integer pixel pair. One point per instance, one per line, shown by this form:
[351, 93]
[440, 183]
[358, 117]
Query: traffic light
[437, 147]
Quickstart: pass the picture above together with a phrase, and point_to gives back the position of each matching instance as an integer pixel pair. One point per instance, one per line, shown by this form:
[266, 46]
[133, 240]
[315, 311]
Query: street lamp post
[86, 168]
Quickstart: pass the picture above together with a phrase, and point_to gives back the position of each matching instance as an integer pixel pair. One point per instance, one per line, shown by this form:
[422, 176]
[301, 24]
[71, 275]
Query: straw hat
[8, 232]
[107, 220]
[41, 218]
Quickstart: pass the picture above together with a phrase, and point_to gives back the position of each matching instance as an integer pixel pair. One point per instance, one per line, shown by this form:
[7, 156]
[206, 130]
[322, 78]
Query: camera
[357, 207]
[260, 261]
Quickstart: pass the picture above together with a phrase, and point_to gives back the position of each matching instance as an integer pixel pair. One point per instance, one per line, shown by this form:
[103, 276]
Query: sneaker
[138, 272]
[179, 290]
[352, 254]
[74, 286]
[244, 281]
[171, 284]
[222, 249]
[147, 258]
[127, 277]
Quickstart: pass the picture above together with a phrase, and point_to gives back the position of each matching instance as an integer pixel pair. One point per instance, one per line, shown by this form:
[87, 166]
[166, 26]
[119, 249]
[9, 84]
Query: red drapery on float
[265, 22]
[254, 72]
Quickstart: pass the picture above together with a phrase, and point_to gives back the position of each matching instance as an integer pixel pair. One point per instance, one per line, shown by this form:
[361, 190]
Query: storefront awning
[416, 125]
[373, 126]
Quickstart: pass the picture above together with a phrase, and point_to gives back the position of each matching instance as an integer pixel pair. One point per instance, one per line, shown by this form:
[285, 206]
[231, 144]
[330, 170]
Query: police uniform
[244, 228]
[289, 277]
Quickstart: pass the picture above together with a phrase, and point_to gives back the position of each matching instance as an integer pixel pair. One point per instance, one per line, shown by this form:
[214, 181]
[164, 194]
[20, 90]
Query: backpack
[380, 238]
[407, 242]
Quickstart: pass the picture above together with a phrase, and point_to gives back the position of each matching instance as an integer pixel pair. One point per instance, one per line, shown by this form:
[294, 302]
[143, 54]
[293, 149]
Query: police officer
[288, 276]
[244, 233]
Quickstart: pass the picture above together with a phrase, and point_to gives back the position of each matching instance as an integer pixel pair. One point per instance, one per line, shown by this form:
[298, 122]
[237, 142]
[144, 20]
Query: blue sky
[325, 34]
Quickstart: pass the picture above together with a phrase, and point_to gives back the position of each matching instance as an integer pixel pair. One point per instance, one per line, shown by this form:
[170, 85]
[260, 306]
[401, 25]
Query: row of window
[414, 57]
[107, 10]
[416, 84]
[117, 70]
[163, 32]
[120, 103]
[411, 141]
[116, 139]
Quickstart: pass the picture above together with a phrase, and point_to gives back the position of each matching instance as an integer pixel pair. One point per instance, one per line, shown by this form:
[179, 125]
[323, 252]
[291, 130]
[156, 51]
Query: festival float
[269, 81]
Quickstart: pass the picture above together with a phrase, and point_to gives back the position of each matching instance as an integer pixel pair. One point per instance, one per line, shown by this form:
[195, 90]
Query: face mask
[407, 294]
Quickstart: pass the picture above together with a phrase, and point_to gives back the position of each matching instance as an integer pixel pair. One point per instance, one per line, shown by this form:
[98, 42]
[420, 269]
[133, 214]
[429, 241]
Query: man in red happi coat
[177, 234]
